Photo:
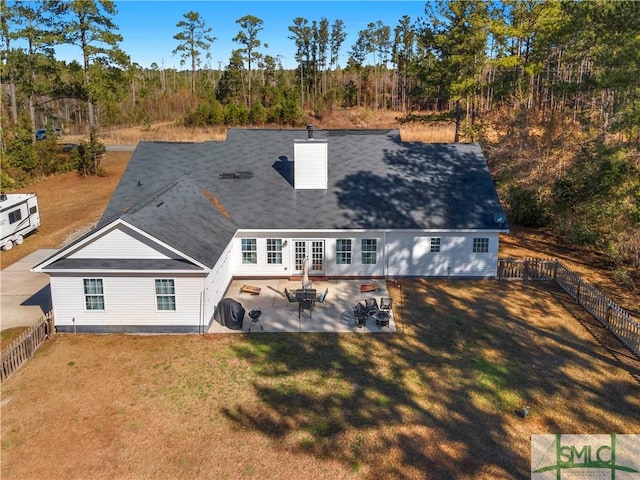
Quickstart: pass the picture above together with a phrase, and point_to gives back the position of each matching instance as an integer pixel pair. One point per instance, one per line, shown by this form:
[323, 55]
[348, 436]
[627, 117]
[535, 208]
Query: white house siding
[310, 164]
[122, 242]
[408, 254]
[217, 282]
[263, 269]
[130, 304]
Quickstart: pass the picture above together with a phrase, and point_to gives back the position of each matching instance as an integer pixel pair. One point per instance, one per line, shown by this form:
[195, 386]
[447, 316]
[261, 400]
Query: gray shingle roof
[173, 190]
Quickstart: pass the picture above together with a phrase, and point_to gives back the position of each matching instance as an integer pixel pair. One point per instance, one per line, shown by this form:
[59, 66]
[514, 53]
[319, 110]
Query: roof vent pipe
[310, 131]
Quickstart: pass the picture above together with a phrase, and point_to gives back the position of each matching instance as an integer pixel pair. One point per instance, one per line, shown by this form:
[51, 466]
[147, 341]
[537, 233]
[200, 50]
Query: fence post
[526, 269]
[555, 270]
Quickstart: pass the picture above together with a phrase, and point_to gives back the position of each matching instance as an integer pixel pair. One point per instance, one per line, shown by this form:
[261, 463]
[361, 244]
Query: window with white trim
[274, 251]
[480, 245]
[93, 294]
[435, 245]
[249, 250]
[369, 251]
[165, 294]
[343, 251]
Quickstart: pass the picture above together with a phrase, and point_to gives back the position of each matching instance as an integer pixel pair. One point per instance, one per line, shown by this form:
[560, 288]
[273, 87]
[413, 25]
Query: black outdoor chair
[386, 304]
[371, 304]
[360, 312]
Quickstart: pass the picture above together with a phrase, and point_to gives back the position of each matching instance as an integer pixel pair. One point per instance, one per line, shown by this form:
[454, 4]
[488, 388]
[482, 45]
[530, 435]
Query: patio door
[314, 249]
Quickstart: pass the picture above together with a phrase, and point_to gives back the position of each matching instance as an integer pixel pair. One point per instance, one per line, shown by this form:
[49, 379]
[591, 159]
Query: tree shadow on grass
[442, 397]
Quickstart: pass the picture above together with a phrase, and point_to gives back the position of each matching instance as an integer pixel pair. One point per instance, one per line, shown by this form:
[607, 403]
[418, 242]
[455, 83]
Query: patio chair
[320, 299]
[291, 298]
[371, 304]
[360, 312]
[386, 304]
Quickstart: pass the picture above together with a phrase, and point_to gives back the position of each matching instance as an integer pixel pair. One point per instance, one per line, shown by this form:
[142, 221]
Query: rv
[19, 216]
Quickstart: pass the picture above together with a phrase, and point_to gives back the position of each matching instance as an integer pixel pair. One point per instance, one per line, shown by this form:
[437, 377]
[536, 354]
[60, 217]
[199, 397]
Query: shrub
[527, 208]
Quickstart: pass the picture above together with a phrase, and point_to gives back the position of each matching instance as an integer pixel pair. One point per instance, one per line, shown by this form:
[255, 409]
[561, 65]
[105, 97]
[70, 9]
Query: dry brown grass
[435, 401]
[165, 132]
[428, 133]
[69, 204]
[340, 118]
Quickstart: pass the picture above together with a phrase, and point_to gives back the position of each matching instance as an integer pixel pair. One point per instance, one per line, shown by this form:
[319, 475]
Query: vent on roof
[236, 175]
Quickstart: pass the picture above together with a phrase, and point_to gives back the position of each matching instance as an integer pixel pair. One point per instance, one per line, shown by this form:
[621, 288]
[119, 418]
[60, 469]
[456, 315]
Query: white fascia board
[242, 232]
[74, 246]
[95, 271]
[77, 246]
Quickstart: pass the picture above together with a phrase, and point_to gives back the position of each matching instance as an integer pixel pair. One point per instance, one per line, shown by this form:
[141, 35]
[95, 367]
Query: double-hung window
[249, 250]
[435, 244]
[369, 251]
[480, 245]
[165, 294]
[274, 251]
[93, 294]
[343, 251]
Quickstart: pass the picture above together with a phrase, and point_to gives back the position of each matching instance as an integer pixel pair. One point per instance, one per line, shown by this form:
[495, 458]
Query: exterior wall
[287, 268]
[399, 254]
[408, 254]
[130, 303]
[217, 282]
[130, 300]
[122, 242]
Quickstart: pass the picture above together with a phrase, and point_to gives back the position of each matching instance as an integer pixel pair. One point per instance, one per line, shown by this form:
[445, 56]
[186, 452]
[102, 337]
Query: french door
[314, 250]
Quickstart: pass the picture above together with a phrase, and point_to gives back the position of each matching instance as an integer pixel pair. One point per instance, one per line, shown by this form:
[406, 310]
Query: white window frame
[343, 251]
[93, 289]
[163, 294]
[249, 247]
[274, 251]
[481, 245]
[367, 253]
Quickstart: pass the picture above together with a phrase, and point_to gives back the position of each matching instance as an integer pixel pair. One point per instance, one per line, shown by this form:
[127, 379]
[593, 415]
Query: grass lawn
[435, 400]
[9, 335]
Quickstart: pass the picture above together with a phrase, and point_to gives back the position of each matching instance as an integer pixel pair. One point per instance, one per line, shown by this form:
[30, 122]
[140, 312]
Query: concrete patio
[280, 315]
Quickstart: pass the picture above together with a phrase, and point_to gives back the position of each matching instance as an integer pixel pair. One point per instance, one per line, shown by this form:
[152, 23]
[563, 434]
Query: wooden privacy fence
[616, 319]
[23, 347]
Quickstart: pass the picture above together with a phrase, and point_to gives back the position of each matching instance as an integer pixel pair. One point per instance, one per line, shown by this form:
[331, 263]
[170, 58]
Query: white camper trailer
[19, 216]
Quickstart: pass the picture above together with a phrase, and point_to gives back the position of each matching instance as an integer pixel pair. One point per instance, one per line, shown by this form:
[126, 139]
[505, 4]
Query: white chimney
[311, 162]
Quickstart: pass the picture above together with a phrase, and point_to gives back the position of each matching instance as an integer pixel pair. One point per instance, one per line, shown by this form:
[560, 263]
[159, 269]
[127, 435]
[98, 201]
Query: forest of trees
[549, 87]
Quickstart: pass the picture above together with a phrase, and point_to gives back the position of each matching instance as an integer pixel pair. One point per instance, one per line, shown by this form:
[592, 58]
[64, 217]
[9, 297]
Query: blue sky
[148, 26]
